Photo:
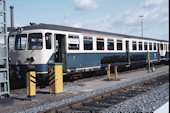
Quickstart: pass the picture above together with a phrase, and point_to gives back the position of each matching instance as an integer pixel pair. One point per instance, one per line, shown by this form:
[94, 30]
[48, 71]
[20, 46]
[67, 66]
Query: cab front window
[35, 41]
[20, 42]
[11, 40]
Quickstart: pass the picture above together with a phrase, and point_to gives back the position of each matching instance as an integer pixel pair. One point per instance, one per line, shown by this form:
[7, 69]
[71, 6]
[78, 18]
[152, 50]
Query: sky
[116, 16]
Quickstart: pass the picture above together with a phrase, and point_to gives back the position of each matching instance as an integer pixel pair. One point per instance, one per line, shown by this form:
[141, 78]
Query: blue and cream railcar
[80, 50]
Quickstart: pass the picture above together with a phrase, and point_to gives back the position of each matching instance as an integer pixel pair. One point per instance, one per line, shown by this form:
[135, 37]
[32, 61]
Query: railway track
[102, 102]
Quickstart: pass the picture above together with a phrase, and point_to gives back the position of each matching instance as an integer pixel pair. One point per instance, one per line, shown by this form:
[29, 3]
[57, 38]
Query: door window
[162, 48]
[48, 40]
[57, 45]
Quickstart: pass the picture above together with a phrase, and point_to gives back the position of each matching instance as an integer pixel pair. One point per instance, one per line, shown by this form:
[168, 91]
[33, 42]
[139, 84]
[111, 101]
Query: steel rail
[111, 98]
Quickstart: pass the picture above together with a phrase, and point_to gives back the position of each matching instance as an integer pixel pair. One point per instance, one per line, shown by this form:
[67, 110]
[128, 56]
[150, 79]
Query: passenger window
[48, 40]
[20, 42]
[88, 43]
[73, 42]
[57, 45]
[11, 40]
[145, 45]
[110, 44]
[154, 46]
[119, 45]
[140, 45]
[162, 47]
[35, 41]
[100, 44]
[134, 45]
[150, 46]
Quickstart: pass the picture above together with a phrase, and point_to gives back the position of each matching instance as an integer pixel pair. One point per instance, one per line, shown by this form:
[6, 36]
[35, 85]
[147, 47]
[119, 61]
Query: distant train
[80, 50]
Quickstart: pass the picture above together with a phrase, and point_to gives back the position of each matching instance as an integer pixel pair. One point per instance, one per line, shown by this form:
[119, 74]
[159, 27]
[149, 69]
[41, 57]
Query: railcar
[80, 50]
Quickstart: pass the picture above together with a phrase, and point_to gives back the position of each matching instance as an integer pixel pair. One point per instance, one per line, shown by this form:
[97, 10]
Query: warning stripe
[32, 76]
[50, 79]
[52, 73]
[51, 76]
[33, 81]
[51, 83]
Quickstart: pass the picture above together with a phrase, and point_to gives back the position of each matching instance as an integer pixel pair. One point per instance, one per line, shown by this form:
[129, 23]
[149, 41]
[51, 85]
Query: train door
[60, 51]
[158, 51]
[127, 51]
[166, 51]
[162, 50]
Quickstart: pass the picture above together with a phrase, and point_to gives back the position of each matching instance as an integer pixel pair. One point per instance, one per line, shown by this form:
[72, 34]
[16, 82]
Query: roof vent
[32, 23]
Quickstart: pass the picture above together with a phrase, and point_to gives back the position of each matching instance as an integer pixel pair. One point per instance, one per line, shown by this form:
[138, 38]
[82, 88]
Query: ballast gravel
[145, 103]
[93, 93]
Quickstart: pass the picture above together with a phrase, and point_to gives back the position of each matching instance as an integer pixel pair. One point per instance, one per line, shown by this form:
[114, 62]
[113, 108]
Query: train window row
[88, 44]
[35, 42]
[152, 46]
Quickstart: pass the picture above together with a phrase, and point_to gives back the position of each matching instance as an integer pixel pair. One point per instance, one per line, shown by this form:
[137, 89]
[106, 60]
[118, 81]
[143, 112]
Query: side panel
[83, 60]
[153, 56]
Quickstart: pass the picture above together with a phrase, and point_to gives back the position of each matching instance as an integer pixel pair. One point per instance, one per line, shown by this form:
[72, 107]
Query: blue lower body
[85, 60]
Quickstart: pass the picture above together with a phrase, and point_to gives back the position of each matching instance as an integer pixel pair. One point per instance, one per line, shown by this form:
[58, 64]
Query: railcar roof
[81, 30]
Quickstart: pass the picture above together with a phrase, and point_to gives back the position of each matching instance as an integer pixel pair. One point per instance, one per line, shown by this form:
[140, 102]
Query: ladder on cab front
[4, 69]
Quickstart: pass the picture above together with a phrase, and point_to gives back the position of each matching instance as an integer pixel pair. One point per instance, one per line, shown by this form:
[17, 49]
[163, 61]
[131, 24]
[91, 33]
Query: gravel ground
[86, 95]
[145, 103]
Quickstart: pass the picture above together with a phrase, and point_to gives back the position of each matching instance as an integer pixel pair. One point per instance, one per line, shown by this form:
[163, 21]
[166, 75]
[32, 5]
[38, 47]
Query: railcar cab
[36, 47]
